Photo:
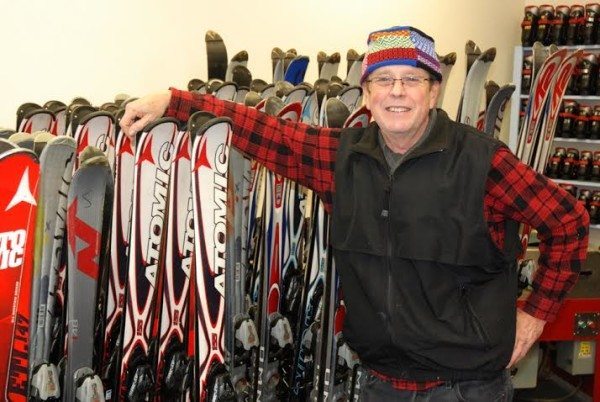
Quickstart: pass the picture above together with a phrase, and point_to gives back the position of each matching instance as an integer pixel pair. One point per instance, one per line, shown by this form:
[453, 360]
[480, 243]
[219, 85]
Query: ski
[216, 55]
[446, 62]
[153, 158]
[351, 97]
[119, 257]
[209, 179]
[18, 205]
[88, 221]
[473, 87]
[294, 74]
[172, 361]
[494, 113]
[540, 88]
[56, 165]
[239, 59]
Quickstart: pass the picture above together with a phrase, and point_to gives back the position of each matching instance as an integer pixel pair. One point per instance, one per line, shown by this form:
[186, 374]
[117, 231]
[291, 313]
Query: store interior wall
[65, 48]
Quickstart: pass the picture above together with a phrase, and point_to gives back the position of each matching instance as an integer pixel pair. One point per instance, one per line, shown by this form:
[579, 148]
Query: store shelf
[577, 140]
[580, 183]
[574, 47]
[580, 98]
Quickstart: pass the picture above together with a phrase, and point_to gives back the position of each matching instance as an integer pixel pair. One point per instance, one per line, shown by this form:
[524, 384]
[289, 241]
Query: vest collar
[436, 141]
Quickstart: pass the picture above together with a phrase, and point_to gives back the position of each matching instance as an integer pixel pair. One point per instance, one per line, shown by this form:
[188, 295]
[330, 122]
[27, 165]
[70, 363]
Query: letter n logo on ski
[86, 257]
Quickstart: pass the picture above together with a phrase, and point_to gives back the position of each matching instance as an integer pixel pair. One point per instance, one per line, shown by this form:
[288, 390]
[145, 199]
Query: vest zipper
[389, 251]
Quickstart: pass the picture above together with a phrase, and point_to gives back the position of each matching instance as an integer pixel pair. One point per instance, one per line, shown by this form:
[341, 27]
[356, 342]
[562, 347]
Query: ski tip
[489, 55]
[241, 76]
[92, 156]
[120, 98]
[197, 120]
[282, 88]
[240, 56]
[471, 48]
[62, 140]
[277, 53]
[42, 136]
[22, 140]
[195, 84]
[334, 58]
[321, 56]
[252, 98]
[212, 36]
[292, 51]
[352, 55]
[447, 59]
[54, 106]
[273, 105]
[258, 85]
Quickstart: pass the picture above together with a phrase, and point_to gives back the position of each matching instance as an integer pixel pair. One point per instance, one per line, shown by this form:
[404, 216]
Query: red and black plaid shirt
[514, 191]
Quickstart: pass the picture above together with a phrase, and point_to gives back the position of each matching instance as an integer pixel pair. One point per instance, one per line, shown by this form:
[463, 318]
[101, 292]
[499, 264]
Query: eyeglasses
[409, 81]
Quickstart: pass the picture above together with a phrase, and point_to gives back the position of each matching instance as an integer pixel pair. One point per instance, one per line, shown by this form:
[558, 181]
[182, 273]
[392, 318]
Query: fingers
[138, 125]
[519, 351]
[528, 330]
[129, 118]
[143, 111]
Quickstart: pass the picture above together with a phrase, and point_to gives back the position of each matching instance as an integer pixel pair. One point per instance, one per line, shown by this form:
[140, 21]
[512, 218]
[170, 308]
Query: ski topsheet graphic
[119, 252]
[56, 164]
[172, 362]
[18, 207]
[88, 219]
[210, 155]
[154, 153]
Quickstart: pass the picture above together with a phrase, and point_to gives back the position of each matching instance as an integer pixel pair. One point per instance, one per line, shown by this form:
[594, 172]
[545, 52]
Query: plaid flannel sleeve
[515, 191]
[297, 151]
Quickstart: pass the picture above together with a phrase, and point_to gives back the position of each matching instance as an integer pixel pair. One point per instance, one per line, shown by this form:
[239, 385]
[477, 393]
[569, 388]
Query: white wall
[96, 49]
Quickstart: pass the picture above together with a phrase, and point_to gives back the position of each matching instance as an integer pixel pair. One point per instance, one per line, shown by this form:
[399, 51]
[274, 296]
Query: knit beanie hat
[406, 46]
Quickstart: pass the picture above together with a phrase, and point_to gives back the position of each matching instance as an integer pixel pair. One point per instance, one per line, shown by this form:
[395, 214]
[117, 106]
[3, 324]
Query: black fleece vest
[428, 294]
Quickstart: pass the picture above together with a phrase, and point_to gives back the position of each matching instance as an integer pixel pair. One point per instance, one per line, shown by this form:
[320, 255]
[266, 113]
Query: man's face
[400, 109]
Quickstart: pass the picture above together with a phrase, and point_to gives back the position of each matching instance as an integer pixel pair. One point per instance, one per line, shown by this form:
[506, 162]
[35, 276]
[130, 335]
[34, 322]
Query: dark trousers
[499, 389]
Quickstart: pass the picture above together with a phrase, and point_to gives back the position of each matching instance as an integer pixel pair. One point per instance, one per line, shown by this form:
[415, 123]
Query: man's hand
[143, 111]
[529, 329]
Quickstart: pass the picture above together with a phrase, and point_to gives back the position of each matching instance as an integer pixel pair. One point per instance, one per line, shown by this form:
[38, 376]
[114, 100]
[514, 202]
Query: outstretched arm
[297, 151]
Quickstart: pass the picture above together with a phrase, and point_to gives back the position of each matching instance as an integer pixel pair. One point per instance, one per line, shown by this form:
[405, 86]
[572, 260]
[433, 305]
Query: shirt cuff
[179, 105]
[541, 307]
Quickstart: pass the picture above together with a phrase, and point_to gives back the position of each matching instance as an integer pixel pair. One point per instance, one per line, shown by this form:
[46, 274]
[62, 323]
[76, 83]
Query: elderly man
[425, 214]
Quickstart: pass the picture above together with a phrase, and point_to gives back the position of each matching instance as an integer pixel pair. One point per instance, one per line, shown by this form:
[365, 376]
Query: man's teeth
[397, 109]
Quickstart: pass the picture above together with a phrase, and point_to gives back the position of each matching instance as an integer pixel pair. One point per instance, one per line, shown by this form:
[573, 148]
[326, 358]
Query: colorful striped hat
[406, 46]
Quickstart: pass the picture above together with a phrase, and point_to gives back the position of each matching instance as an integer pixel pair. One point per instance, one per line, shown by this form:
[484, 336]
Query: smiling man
[425, 214]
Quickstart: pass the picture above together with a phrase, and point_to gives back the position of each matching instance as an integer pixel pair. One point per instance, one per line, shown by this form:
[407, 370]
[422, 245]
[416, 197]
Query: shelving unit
[592, 145]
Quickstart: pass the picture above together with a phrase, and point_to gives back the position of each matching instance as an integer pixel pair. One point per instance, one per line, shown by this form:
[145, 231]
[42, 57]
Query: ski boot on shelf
[594, 209]
[588, 75]
[546, 16]
[595, 124]
[526, 74]
[565, 126]
[529, 25]
[560, 24]
[555, 163]
[569, 163]
[584, 168]
[582, 122]
[590, 28]
[576, 22]
[596, 167]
